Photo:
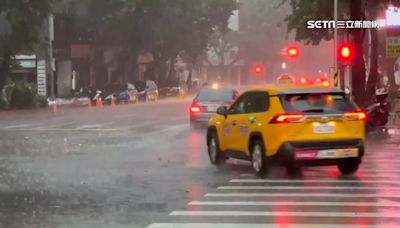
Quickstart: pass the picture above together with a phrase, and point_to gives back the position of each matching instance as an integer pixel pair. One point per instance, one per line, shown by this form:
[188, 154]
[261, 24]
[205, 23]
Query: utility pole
[336, 78]
[50, 64]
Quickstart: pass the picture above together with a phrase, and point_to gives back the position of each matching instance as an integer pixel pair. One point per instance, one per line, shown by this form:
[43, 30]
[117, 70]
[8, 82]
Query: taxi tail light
[288, 118]
[355, 115]
[195, 108]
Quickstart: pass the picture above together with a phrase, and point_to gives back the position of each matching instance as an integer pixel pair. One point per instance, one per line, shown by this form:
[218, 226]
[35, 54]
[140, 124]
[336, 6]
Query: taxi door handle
[234, 122]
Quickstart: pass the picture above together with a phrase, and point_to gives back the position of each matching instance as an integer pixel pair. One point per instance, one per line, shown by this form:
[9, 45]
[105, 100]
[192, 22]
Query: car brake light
[288, 118]
[195, 108]
[355, 115]
[326, 84]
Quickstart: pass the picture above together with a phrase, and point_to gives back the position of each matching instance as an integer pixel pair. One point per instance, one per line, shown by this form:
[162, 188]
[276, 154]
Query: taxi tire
[349, 166]
[263, 171]
[219, 159]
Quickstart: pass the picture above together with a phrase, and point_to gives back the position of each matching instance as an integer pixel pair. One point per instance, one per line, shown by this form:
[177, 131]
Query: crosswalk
[319, 198]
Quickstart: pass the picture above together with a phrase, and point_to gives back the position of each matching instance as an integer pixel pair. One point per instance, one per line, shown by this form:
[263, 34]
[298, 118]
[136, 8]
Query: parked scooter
[378, 113]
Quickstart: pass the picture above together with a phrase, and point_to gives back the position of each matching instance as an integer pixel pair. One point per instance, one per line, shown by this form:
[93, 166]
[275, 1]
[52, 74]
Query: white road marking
[126, 115]
[362, 170]
[363, 173]
[90, 126]
[393, 161]
[17, 126]
[176, 127]
[245, 225]
[394, 182]
[372, 175]
[69, 129]
[287, 214]
[338, 195]
[387, 203]
[306, 188]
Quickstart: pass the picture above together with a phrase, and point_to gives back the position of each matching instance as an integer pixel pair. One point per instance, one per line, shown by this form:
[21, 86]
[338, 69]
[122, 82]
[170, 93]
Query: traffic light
[293, 52]
[345, 52]
[258, 70]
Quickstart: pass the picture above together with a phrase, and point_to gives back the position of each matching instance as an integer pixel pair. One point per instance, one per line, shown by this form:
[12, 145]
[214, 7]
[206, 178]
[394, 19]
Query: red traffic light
[293, 52]
[345, 52]
[258, 70]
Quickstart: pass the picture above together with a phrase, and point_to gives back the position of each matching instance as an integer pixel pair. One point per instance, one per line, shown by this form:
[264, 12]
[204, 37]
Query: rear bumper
[286, 153]
[202, 118]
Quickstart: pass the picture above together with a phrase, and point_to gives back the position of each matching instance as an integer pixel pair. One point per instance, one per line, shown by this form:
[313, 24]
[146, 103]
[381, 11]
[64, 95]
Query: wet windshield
[317, 103]
[215, 95]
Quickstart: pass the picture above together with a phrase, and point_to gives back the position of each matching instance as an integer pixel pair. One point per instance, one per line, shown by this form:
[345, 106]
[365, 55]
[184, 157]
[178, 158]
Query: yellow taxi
[291, 126]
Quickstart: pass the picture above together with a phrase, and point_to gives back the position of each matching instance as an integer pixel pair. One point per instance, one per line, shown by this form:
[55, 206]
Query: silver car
[206, 102]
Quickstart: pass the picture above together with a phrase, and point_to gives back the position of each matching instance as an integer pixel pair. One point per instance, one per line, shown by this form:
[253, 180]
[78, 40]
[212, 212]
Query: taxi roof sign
[285, 79]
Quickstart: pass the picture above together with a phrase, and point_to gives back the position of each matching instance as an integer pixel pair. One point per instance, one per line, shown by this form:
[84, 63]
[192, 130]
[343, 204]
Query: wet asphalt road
[142, 166]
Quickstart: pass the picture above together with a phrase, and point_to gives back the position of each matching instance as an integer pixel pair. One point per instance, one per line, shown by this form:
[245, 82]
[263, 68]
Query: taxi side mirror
[223, 111]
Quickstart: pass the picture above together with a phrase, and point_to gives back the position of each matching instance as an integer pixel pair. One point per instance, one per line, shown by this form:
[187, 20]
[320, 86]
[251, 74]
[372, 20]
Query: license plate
[212, 108]
[326, 154]
[347, 153]
[324, 128]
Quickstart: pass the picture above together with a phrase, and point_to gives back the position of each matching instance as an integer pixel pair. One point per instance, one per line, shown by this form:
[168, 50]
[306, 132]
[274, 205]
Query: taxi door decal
[226, 130]
[244, 129]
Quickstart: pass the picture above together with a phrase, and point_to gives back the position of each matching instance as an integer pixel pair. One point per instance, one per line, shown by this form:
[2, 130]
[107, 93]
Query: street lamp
[284, 66]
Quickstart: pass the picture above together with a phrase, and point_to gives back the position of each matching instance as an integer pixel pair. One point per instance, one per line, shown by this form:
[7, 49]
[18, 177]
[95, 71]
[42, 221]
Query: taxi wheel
[349, 166]
[213, 150]
[258, 159]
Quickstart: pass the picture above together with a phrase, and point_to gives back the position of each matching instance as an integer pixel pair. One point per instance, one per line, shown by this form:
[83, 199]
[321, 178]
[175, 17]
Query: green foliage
[40, 101]
[21, 25]
[23, 96]
[261, 35]
[304, 10]
[163, 27]
[24, 21]
[3, 104]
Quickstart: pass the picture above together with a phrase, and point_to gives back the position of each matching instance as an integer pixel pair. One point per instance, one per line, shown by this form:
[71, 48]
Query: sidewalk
[75, 103]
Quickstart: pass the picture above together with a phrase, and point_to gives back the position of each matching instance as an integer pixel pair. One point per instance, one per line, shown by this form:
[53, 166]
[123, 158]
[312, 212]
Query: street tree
[193, 26]
[164, 28]
[212, 17]
[302, 11]
[262, 33]
[21, 25]
[223, 49]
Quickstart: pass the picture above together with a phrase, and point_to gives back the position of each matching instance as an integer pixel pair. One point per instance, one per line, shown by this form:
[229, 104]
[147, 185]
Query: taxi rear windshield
[317, 103]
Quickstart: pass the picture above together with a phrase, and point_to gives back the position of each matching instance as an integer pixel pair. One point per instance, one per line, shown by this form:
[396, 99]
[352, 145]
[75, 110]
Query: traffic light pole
[335, 46]
[347, 78]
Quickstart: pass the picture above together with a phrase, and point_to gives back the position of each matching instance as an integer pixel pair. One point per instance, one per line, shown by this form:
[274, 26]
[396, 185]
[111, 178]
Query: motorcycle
[378, 113]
